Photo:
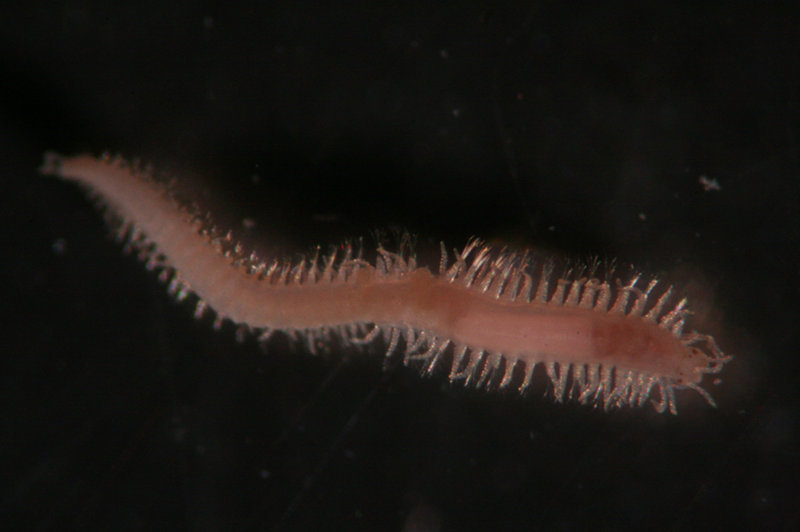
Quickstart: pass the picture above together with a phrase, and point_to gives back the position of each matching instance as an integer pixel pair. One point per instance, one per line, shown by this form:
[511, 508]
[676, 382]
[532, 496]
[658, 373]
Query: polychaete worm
[489, 317]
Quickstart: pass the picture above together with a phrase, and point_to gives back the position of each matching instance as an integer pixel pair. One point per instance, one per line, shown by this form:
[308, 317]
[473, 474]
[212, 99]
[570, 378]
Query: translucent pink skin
[527, 331]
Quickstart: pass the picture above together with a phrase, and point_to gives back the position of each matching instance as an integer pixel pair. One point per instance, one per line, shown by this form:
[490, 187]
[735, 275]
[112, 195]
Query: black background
[581, 129]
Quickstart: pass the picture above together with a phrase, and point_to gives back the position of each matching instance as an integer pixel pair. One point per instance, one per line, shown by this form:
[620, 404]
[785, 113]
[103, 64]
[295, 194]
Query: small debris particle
[708, 184]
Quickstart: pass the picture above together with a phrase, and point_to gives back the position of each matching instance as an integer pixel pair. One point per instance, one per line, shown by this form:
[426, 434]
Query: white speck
[248, 223]
[551, 228]
[444, 54]
[709, 184]
[264, 474]
[642, 216]
[456, 113]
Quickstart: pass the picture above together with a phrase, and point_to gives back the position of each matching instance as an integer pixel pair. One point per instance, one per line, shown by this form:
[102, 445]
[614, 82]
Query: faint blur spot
[59, 246]
[709, 184]
[508, 474]
[423, 518]
[776, 431]
[325, 217]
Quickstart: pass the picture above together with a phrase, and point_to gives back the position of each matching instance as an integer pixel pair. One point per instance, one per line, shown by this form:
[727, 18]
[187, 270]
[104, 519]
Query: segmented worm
[489, 316]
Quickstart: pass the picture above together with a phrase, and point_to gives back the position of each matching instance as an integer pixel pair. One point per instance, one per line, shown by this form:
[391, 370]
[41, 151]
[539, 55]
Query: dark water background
[580, 129]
